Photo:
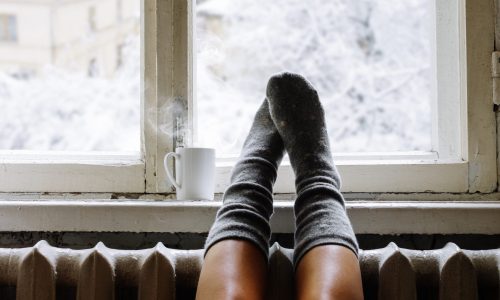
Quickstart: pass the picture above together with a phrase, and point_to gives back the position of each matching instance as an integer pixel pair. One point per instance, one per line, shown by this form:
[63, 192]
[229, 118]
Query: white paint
[378, 176]
[173, 80]
[447, 107]
[148, 215]
[66, 172]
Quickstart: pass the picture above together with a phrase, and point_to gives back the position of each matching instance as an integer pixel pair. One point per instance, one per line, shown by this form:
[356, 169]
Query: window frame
[167, 80]
[463, 120]
[464, 136]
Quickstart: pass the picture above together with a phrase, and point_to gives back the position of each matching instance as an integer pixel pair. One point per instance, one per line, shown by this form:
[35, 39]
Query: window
[371, 62]
[75, 115]
[120, 53]
[8, 28]
[92, 18]
[119, 10]
[423, 56]
[93, 69]
[461, 158]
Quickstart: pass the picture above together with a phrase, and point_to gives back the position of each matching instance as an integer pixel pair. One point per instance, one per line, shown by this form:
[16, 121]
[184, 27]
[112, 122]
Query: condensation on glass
[371, 61]
[70, 75]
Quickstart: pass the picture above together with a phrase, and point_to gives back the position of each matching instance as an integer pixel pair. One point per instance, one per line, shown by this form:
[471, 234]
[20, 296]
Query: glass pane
[70, 75]
[370, 60]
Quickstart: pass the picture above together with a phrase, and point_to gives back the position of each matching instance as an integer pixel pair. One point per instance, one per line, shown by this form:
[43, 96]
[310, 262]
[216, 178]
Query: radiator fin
[46, 272]
[37, 275]
[157, 275]
[280, 273]
[396, 275]
[96, 280]
[457, 275]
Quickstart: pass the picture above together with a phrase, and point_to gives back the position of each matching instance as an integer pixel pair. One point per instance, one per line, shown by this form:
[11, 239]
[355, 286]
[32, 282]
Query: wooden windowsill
[369, 213]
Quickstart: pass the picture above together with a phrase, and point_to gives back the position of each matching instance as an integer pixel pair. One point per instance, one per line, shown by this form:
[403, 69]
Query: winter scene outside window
[371, 61]
[71, 82]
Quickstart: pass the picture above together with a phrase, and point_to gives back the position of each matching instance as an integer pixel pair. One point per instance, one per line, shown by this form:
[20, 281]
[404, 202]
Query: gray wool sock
[248, 201]
[319, 209]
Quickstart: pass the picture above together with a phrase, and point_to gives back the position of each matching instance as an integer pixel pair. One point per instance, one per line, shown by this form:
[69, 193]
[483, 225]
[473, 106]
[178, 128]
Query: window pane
[71, 81]
[371, 61]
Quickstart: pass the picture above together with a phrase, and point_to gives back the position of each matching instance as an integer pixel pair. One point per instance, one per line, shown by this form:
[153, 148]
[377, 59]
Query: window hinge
[495, 74]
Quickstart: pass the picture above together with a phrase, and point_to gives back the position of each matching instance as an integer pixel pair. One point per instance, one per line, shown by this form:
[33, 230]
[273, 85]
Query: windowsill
[370, 213]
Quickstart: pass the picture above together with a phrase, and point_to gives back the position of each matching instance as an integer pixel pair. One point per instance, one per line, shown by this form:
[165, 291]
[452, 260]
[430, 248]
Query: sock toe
[288, 86]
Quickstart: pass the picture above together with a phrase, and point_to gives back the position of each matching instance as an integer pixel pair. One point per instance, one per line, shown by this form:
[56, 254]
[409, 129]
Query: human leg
[241, 228]
[321, 219]
[233, 269]
[329, 272]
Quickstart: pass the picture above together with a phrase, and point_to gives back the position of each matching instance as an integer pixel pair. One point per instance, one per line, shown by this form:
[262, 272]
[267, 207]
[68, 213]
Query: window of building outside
[119, 7]
[8, 28]
[120, 54]
[92, 18]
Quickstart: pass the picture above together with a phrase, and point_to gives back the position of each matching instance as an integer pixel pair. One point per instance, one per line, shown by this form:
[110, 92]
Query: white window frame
[464, 160]
[464, 137]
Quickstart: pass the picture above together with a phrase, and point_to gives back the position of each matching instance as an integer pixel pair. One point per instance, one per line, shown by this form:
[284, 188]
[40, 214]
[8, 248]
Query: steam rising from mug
[172, 121]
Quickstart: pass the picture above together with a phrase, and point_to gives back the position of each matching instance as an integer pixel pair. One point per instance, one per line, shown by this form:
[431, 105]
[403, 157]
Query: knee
[329, 272]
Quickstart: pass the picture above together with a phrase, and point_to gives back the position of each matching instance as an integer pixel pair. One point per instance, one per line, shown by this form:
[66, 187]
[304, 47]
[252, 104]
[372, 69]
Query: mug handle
[167, 169]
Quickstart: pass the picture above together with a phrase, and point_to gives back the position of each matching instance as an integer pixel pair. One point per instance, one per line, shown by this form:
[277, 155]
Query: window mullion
[448, 62]
[168, 101]
[149, 114]
[479, 36]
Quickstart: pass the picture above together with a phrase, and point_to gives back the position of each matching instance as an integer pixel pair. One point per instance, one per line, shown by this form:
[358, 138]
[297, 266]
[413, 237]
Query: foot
[299, 118]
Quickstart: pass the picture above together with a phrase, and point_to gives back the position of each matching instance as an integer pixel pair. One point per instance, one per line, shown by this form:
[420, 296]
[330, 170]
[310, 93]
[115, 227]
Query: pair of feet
[290, 119]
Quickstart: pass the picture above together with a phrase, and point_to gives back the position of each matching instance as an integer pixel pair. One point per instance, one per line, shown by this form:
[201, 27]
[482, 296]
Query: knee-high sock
[248, 201]
[319, 208]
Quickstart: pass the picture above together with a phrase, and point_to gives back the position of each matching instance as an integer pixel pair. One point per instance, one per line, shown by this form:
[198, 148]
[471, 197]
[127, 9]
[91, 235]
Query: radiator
[46, 272]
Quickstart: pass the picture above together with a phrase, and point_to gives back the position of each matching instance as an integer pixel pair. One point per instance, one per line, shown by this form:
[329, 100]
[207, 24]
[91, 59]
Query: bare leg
[329, 272]
[233, 269]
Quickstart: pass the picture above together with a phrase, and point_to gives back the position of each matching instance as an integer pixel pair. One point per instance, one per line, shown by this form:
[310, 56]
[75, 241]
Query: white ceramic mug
[195, 172]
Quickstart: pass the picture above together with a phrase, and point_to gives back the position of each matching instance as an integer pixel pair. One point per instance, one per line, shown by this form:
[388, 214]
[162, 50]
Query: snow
[69, 111]
[371, 61]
